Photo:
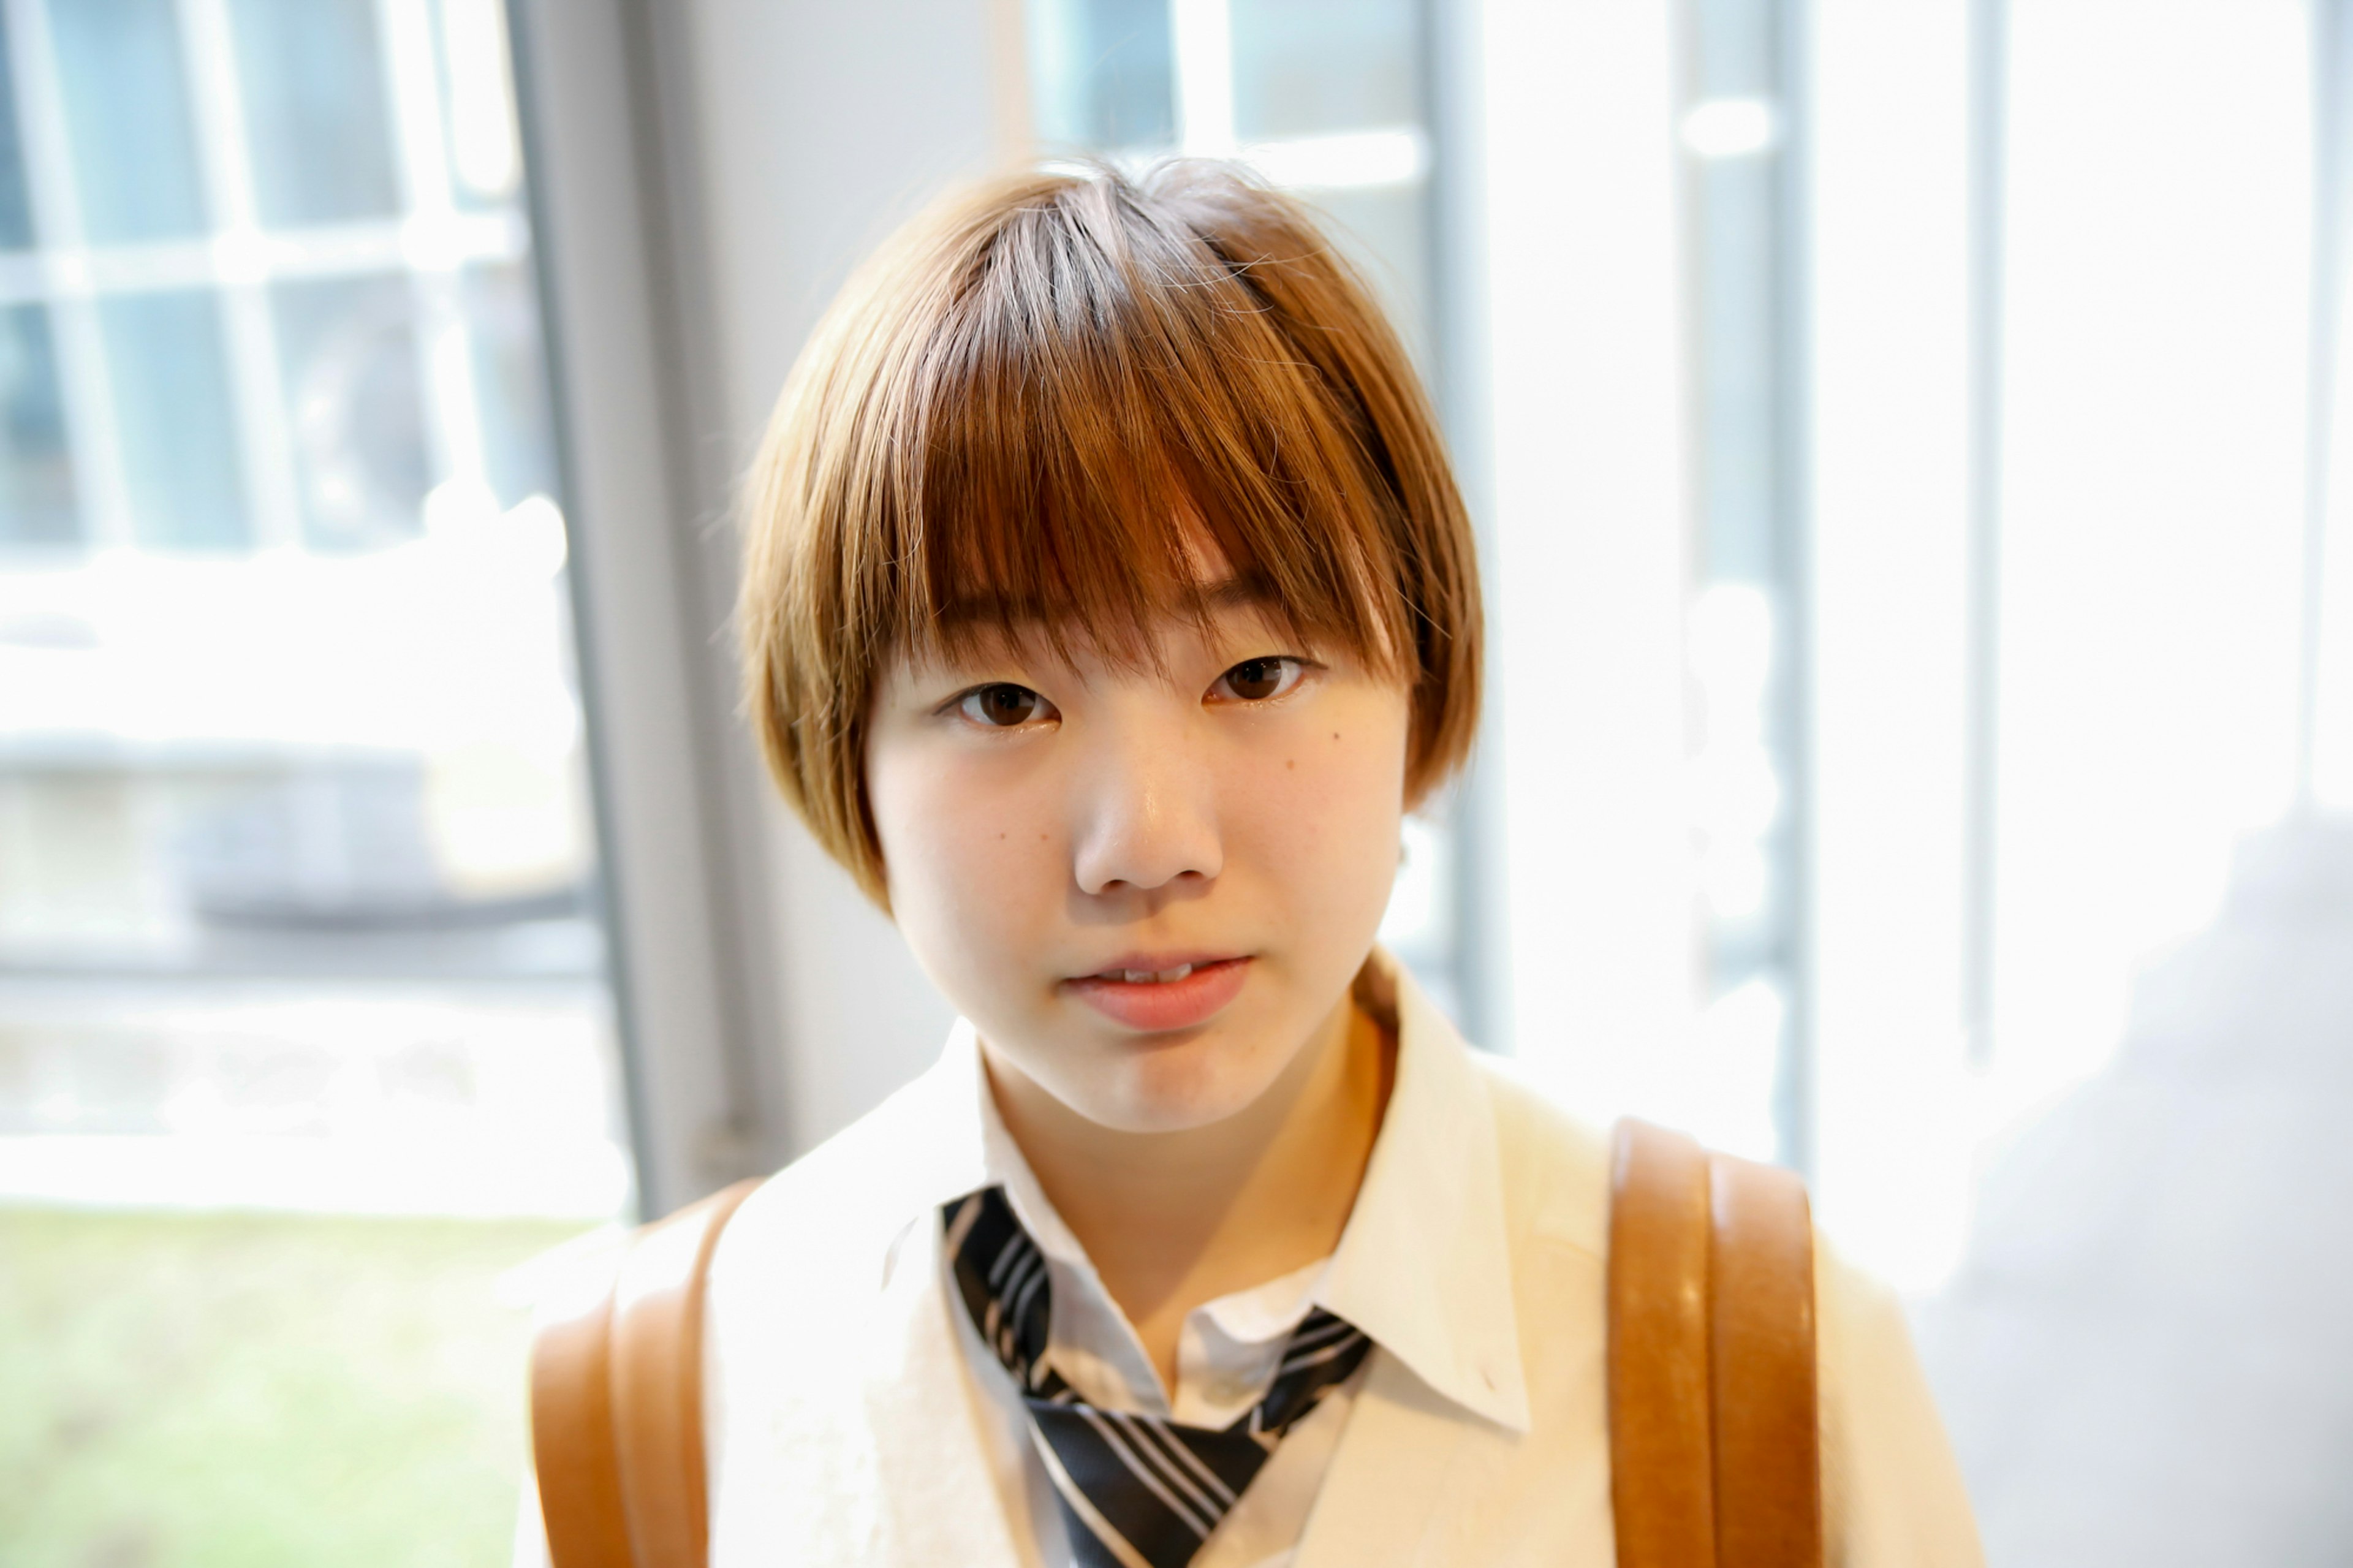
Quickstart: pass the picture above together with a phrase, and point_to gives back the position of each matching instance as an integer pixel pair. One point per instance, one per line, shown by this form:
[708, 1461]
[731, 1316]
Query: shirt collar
[956, 1144]
[931, 1149]
[1423, 1264]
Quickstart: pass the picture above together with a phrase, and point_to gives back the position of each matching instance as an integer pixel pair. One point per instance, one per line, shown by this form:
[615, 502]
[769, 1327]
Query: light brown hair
[1023, 413]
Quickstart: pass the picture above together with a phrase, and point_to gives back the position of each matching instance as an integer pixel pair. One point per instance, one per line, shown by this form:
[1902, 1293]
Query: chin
[1176, 1088]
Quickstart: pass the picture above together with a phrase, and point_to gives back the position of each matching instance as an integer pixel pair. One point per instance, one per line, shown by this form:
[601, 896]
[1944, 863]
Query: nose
[1147, 816]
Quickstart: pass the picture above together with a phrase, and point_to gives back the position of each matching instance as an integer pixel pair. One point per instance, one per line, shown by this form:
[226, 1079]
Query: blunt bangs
[1094, 412]
[1030, 414]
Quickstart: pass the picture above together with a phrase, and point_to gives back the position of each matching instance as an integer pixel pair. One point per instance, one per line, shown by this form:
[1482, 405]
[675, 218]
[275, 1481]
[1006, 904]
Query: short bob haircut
[1027, 412]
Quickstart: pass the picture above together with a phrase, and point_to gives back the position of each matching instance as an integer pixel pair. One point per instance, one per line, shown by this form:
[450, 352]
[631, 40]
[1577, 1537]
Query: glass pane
[126, 99]
[1308, 67]
[16, 209]
[173, 420]
[347, 347]
[479, 109]
[510, 383]
[300, 971]
[1385, 229]
[2138, 1345]
[1746, 767]
[36, 491]
[312, 75]
[1104, 73]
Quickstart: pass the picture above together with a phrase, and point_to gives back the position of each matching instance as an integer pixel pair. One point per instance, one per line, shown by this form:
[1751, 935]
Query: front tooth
[1167, 975]
[1135, 976]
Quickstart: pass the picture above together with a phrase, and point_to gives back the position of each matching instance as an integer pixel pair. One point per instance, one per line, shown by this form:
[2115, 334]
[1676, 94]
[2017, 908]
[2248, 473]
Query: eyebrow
[1241, 591]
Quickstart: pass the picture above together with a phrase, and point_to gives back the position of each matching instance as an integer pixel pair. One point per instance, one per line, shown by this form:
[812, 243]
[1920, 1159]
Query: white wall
[817, 126]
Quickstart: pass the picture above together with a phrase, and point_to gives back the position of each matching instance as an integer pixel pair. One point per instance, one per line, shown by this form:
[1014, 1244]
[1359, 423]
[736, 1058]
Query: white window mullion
[433, 237]
[2325, 675]
[102, 494]
[1202, 33]
[238, 262]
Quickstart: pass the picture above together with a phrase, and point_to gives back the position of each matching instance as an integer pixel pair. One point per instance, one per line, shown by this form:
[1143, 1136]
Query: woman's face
[1148, 889]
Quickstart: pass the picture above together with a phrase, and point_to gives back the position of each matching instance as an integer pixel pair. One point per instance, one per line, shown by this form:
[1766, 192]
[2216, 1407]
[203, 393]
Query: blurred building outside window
[298, 885]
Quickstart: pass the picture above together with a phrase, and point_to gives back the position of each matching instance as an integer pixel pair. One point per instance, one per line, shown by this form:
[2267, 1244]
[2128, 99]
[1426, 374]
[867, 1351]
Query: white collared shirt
[1227, 1353]
[852, 1415]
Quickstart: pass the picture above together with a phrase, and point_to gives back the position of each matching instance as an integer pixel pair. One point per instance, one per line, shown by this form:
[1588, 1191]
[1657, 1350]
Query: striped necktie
[1137, 1491]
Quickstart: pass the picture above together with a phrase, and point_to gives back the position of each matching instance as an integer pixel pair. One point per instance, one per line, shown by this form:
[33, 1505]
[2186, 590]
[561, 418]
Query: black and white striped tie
[1137, 1491]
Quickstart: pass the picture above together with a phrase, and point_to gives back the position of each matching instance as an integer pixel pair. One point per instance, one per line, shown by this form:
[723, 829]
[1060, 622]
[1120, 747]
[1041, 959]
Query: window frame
[678, 795]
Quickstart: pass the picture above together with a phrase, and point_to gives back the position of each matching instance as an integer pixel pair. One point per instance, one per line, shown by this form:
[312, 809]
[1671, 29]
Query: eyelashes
[1007, 705]
[1262, 680]
[1001, 705]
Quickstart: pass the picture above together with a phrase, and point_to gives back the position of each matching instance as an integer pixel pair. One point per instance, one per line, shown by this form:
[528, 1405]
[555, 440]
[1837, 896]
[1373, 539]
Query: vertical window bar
[275, 521]
[1453, 103]
[431, 241]
[16, 217]
[2331, 37]
[1988, 149]
[1201, 33]
[82, 383]
[1744, 189]
[1793, 472]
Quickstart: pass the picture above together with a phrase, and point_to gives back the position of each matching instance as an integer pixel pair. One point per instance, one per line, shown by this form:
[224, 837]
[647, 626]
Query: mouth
[1154, 994]
[1150, 976]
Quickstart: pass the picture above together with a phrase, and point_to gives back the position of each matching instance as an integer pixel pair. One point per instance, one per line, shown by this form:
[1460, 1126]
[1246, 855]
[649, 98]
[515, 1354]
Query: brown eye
[1003, 706]
[1256, 679]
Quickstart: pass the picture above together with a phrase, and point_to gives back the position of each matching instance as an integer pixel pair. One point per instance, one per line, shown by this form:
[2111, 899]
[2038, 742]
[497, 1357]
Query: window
[306, 1036]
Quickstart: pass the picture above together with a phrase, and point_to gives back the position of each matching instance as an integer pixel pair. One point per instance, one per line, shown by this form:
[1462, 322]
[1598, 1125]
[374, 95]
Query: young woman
[1107, 603]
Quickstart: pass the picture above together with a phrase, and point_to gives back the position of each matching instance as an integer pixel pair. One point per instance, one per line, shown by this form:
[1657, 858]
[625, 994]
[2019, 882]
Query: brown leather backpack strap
[1661, 1445]
[1768, 1480]
[1714, 1448]
[617, 1403]
[656, 1349]
[573, 1456]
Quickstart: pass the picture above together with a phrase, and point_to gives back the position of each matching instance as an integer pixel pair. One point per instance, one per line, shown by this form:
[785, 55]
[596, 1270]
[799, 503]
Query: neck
[1171, 1220]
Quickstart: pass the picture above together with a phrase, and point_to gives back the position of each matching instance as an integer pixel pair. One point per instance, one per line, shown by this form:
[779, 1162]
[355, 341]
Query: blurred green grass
[246, 1391]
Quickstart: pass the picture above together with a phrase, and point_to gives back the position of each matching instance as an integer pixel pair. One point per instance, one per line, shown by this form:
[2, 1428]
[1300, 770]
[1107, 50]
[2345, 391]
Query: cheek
[961, 853]
[1322, 813]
